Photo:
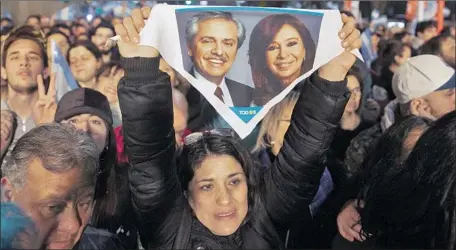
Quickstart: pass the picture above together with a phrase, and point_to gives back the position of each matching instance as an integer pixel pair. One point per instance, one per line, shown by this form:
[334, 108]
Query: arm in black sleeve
[291, 183]
[147, 111]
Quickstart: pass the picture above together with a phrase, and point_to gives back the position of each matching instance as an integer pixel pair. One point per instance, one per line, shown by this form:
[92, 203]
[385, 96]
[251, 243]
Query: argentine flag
[64, 80]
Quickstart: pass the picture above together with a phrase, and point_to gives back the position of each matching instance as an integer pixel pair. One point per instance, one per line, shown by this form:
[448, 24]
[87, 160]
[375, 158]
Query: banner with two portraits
[243, 60]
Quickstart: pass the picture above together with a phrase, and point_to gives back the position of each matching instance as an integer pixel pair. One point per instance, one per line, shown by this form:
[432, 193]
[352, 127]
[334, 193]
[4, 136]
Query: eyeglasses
[197, 136]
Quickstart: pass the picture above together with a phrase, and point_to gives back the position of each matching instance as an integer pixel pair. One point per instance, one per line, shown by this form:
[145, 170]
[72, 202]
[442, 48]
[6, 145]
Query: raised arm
[147, 109]
[291, 183]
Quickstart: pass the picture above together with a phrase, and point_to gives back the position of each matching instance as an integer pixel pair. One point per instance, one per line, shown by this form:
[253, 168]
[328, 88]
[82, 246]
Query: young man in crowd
[424, 86]
[24, 59]
[52, 177]
[424, 32]
[443, 46]
[78, 29]
[100, 36]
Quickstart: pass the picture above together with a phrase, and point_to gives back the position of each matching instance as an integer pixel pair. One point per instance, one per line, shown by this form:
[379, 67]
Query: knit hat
[420, 76]
[83, 101]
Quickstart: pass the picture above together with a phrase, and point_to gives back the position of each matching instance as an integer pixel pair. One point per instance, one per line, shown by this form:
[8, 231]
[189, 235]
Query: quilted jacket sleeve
[291, 183]
[147, 110]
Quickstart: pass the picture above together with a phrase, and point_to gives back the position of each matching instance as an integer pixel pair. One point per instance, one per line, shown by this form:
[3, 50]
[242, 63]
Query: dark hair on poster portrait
[281, 49]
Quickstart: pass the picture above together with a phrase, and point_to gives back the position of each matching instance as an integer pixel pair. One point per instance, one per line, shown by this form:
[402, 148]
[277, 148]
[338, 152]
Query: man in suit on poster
[213, 39]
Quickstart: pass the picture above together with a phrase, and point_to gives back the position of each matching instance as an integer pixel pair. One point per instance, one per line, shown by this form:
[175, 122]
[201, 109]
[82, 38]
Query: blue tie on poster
[246, 113]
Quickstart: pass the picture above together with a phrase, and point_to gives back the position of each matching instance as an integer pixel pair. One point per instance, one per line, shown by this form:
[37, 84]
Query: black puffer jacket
[287, 187]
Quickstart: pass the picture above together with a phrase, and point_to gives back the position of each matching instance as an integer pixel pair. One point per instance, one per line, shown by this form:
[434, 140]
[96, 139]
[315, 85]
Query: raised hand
[129, 30]
[46, 106]
[6, 130]
[337, 68]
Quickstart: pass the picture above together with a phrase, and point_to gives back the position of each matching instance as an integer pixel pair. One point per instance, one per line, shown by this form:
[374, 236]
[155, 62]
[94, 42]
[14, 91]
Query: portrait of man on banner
[213, 39]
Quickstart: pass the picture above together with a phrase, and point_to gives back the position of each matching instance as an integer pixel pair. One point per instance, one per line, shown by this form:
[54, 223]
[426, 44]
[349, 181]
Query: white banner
[243, 60]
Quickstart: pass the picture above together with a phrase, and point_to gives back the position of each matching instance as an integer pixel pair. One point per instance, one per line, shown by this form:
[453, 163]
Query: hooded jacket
[164, 217]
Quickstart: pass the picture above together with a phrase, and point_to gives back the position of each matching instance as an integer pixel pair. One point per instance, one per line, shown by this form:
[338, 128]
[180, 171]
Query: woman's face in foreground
[218, 194]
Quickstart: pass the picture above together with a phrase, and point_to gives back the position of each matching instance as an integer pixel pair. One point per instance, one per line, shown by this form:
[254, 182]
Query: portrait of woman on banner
[281, 49]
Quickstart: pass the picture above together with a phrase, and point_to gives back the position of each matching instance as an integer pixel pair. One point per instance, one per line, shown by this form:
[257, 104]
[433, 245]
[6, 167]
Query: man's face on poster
[214, 48]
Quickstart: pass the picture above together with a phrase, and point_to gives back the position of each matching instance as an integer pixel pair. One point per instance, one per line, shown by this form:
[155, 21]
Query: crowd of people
[359, 155]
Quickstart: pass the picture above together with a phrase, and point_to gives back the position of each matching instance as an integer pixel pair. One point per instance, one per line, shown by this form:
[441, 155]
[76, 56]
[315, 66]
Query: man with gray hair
[213, 40]
[52, 176]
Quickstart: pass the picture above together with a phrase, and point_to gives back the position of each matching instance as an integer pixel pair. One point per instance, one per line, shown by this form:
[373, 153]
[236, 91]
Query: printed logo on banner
[242, 60]
[246, 113]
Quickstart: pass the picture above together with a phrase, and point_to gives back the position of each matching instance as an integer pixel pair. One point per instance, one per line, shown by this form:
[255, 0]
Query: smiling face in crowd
[83, 64]
[24, 62]
[285, 54]
[94, 126]
[60, 203]
[218, 194]
[214, 48]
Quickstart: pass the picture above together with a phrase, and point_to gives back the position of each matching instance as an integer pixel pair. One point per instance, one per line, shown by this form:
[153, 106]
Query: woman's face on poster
[285, 54]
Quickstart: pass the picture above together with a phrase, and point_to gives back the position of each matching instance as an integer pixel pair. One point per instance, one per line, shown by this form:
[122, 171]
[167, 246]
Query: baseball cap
[83, 101]
[420, 76]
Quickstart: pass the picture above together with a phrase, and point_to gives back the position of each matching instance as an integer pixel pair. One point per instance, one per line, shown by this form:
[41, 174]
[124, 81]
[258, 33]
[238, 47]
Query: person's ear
[414, 104]
[7, 190]
[3, 73]
[420, 107]
[189, 50]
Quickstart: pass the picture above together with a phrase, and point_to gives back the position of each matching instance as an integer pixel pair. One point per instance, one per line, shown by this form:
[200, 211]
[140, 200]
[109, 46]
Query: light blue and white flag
[64, 80]
[5, 13]
[119, 8]
[65, 14]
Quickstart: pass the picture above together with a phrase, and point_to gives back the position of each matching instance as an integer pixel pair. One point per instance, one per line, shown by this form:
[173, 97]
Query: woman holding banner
[208, 195]
[280, 50]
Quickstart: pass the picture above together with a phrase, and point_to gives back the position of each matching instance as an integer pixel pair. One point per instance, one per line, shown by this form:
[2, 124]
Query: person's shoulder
[369, 133]
[93, 238]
